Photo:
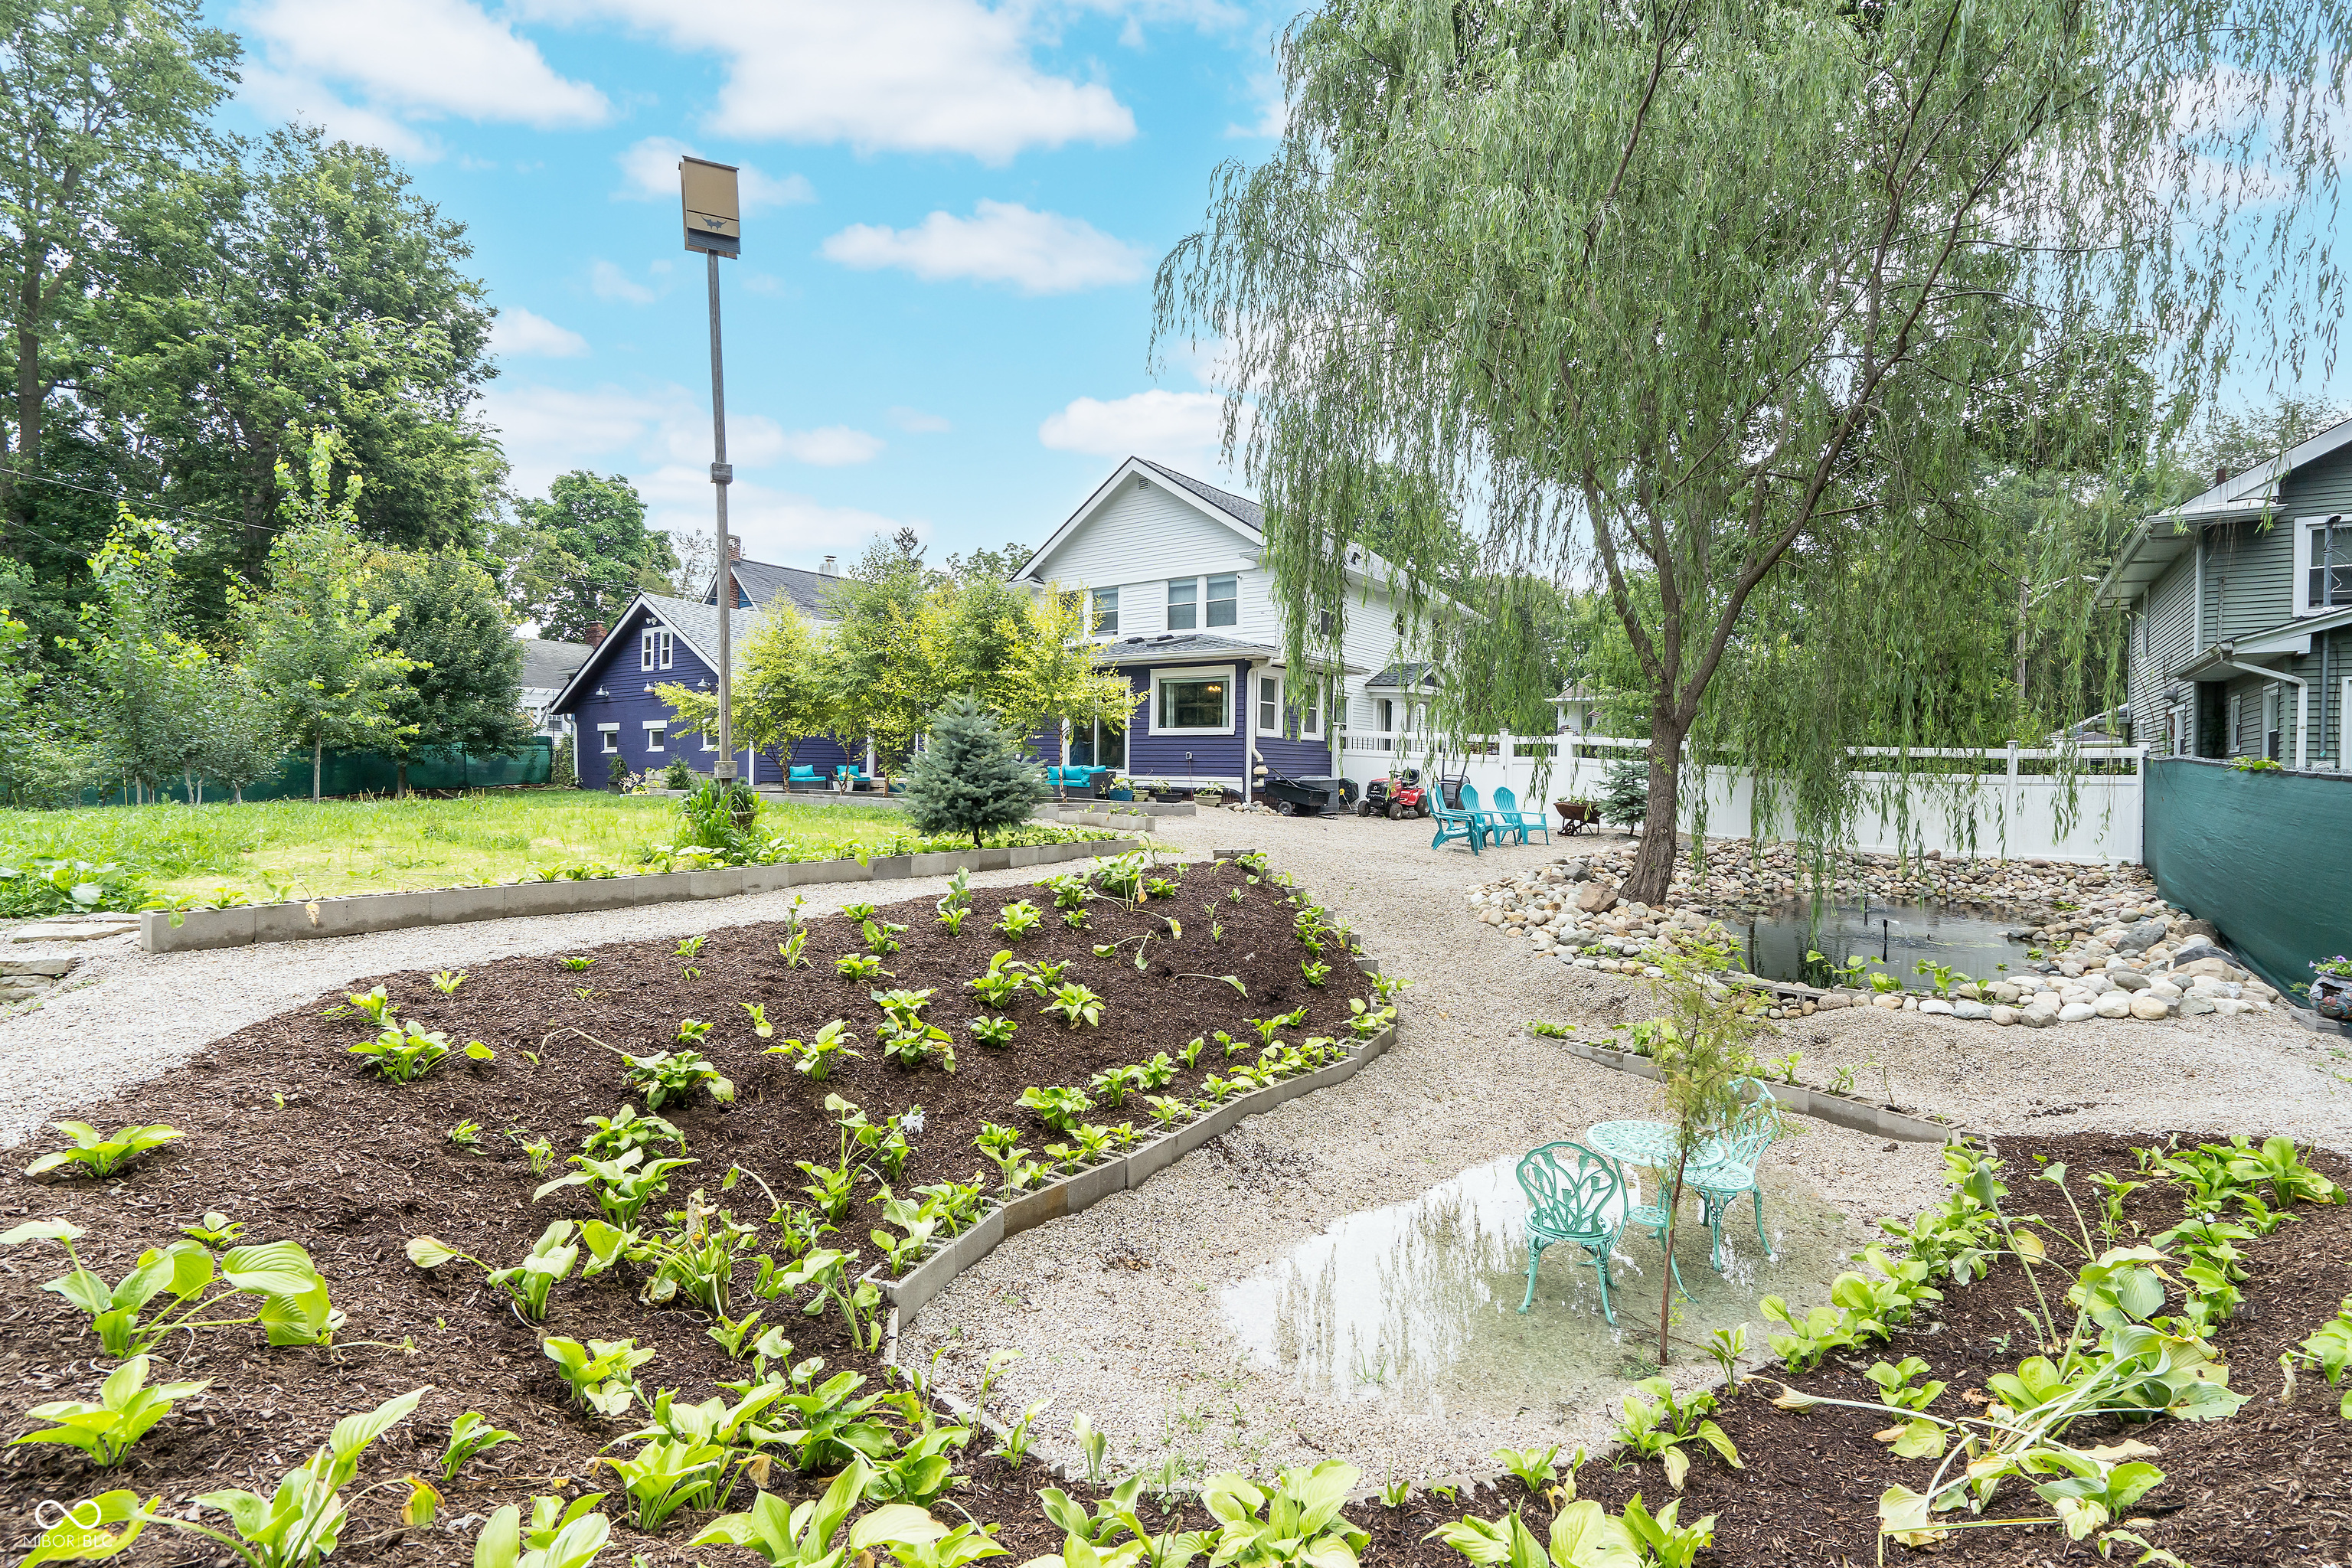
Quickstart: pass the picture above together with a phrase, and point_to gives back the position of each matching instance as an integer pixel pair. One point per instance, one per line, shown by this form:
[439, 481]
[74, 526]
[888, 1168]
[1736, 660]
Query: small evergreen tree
[1627, 799]
[971, 776]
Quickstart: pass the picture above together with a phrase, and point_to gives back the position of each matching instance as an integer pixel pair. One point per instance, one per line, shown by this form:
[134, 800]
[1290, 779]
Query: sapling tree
[970, 777]
[1702, 1044]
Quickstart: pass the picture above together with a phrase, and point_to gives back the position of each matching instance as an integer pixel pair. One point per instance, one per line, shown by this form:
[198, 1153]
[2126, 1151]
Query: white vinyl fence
[2011, 803]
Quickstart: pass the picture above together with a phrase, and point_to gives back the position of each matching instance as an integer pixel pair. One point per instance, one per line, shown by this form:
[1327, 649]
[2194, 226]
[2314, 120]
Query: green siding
[2249, 578]
[2319, 488]
[2267, 857]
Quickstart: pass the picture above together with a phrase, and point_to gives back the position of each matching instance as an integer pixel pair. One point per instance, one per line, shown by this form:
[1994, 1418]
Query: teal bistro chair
[1577, 1196]
[1730, 1170]
[1522, 823]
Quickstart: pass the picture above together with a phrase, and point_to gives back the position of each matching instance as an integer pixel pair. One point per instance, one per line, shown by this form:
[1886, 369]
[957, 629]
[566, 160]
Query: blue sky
[943, 310]
[953, 210]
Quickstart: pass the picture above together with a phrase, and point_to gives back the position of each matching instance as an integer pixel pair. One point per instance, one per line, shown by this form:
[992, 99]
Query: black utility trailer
[1304, 796]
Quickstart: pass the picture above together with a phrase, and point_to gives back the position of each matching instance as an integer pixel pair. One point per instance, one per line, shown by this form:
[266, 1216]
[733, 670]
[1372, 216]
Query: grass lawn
[339, 847]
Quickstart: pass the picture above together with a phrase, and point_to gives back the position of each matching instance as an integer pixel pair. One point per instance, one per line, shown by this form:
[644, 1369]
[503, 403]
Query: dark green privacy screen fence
[2266, 857]
[372, 772]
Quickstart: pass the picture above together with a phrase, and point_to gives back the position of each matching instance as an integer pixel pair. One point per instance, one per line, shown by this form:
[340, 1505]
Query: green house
[2240, 612]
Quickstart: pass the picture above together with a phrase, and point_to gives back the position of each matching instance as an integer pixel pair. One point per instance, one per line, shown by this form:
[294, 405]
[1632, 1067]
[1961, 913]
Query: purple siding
[617, 692]
[1299, 759]
[1154, 756]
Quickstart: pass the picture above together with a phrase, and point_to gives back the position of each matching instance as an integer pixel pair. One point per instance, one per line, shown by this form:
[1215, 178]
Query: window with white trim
[1183, 603]
[1269, 705]
[710, 740]
[1105, 607]
[1193, 702]
[1385, 710]
[1311, 713]
[657, 734]
[2323, 565]
[1225, 600]
[653, 648]
[608, 737]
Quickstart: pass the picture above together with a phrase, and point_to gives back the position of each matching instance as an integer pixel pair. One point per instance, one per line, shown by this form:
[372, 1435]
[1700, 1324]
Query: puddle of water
[1417, 1303]
[1894, 938]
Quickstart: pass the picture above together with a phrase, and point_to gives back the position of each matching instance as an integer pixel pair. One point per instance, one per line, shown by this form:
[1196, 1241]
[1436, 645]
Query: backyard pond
[1417, 1302]
[1971, 939]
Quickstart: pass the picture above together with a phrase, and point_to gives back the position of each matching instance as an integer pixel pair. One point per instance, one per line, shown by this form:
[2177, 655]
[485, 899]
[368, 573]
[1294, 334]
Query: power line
[112, 495]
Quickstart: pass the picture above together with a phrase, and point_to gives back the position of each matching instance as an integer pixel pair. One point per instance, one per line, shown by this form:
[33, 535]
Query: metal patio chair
[1578, 1197]
[1732, 1172]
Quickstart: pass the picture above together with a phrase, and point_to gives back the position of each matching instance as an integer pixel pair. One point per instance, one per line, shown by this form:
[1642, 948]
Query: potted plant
[1122, 789]
[2331, 987]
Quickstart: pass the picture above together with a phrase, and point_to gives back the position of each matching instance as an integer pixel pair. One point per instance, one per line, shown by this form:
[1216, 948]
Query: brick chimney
[2221, 474]
[734, 547]
[595, 633]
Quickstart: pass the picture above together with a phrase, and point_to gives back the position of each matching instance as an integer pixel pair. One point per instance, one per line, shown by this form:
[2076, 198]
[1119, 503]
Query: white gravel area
[127, 1014]
[1115, 1311]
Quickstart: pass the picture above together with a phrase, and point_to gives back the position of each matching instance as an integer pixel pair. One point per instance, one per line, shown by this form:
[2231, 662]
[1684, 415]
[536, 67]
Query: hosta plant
[98, 1154]
[1111, 1086]
[1659, 1424]
[1296, 1520]
[1004, 978]
[1019, 918]
[406, 1050]
[672, 1075]
[622, 1186]
[125, 1408]
[527, 1283]
[2329, 1350]
[693, 1256]
[790, 1536]
[568, 1537]
[992, 1031]
[470, 1434]
[793, 950]
[377, 1005]
[599, 1372]
[664, 1476]
[284, 1293]
[815, 1056]
[626, 1128]
[1075, 1003]
[858, 967]
[1058, 1108]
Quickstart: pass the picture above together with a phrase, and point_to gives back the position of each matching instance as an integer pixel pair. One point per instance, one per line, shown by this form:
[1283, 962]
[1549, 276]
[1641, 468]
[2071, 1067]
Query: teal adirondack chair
[1489, 822]
[1507, 808]
[1453, 821]
[1732, 1170]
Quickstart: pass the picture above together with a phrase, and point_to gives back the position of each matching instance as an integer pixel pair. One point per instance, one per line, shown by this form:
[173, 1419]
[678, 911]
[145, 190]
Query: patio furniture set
[1581, 1195]
[1458, 815]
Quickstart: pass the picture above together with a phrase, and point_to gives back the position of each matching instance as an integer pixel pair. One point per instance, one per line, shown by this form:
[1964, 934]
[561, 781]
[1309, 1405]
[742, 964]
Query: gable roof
[2157, 542]
[766, 581]
[1231, 505]
[548, 663]
[1239, 513]
[695, 622]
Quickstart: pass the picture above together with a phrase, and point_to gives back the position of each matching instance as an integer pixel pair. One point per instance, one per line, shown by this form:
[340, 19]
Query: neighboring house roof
[2159, 541]
[1418, 676]
[695, 622]
[548, 664]
[765, 582]
[1171, 647]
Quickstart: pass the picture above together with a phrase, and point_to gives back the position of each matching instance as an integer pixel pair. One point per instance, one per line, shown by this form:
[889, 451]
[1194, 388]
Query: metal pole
[721, 476]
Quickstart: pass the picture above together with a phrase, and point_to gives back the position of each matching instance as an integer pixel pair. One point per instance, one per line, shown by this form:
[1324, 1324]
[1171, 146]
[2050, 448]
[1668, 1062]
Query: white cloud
[519, 333]
[617, 287]
[921, 76]
[919, 422]
[649, 172]
[834, 447]
[433, 57]
[1003, 242]
[775, 524]
[279, 96]
[1173, 427]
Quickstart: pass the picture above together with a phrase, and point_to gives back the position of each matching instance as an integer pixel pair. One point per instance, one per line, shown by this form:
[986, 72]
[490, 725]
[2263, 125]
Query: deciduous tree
[578, 557]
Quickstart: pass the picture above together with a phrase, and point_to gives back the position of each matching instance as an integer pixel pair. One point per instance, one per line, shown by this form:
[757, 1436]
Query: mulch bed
[286, 1132]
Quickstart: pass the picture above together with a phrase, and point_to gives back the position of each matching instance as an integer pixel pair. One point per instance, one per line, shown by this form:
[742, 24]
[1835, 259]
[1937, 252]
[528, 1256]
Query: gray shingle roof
[1177, 645]
[765, 582]
[547, 664]
[1402, 675]
[698, 622]
[1241, 507]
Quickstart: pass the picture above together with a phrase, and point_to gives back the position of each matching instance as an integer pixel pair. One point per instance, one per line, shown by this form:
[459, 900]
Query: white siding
[1138, 539]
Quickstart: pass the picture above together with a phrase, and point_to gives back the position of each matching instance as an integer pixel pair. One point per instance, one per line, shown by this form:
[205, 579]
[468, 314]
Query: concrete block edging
[247, 924]
[1837, 1110]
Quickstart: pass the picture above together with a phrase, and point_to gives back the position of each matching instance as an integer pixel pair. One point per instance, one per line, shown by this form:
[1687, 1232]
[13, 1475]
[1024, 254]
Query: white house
[1173, 570]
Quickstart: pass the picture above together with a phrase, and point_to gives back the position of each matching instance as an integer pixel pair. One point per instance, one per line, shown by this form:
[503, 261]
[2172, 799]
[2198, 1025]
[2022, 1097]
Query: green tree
[320, 638]
[577, 557]
[891, 658]
[151, 682]
[466, 689]
[243, 739]
[781, 691]
[301, 284]
[43, 760]
[1704, 302]
[99, 99]
[971, 776]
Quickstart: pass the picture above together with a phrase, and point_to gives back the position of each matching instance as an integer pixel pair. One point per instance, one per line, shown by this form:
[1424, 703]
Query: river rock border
[250, 923]
[1084, 1189]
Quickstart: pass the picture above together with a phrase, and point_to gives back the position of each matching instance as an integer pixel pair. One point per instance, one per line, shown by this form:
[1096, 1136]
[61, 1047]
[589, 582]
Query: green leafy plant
[287, 1296]
[626, 1128]
[857, 913]
[2329, 1349]
[992, 1031]
[665, 1474]
[376, 1004]
[1297, 1520]
[1058, 1108]
[1013, 1447]
[98, 1154]
[600, 1373]
[470, 1434]
[881, 937]
[575, 965]
[559, 1536]
[216, 1230]
[1536, 1469]
[1659, 1425]
[1075, 1003]
[690, 947]
[447, 982]
[858, 967]
[1316, 974]
[1004, 978]
[622, 1185]
[815, 1055]
[796, 1536]
[126, 1408]
[467, 1135]
[406, 1050]
[672, 1075]
[1725, 1346]
[794, 950]
[1019, 918]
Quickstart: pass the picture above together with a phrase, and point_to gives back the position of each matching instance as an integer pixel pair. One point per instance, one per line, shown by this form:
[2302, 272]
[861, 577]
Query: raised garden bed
[286, 1132]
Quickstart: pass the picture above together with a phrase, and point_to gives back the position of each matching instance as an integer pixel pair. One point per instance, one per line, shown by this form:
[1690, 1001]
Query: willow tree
[1692, 300]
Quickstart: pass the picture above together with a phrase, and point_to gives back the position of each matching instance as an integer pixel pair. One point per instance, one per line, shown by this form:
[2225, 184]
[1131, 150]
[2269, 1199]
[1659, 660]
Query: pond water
[1417, 1303]
[1971, 939]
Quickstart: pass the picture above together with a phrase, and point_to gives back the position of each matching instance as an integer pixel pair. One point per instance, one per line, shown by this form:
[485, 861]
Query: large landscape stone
[1936, 1004]
[2219, 968]
[2003, 1016]
[2149, 1007]
[2113, 1005]
[2074, 1013]
[2130, 980]
[2193, 1005]
[1966, 1009]
[2141, 935]
[1595, 898]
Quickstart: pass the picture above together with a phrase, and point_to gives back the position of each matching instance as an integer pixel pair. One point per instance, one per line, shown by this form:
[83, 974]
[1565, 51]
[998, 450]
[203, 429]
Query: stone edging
[1837, 1110]
[1086, 1188]
[250, 923]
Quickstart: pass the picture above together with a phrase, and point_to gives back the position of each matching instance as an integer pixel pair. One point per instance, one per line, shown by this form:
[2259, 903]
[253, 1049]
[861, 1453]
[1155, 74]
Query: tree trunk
[318, 750]
[400, 779]
[1666, 1282]
[1653, 876]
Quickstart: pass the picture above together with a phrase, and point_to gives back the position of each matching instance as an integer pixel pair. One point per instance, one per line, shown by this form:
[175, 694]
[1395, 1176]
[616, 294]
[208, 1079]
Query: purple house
[613, 700]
